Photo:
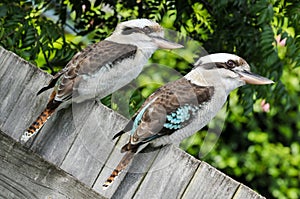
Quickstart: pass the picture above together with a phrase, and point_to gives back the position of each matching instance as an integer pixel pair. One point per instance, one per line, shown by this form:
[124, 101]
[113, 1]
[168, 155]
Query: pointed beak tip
[180, 46]
[271, 82]
[266, 81]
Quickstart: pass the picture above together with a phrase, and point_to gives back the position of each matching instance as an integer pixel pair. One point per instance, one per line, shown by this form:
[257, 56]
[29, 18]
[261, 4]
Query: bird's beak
[165, 44]
[251, 78]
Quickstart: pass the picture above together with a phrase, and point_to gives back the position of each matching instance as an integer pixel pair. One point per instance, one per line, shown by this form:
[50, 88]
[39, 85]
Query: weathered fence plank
[210, 183]
[18, 105]
[23, 174]
[246, 192]
[127, 185]
[173, 169]
[78, 140]
[56, 137]
[93, 144]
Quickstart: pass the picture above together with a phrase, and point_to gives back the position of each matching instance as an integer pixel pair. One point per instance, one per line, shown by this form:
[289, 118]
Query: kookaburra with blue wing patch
[103, 67]
[180, 108]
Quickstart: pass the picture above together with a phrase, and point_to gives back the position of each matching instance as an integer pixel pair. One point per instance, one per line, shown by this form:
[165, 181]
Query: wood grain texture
[93, 144]
[24, 174]
[245, 192]
[56, 137]
[172, 171]
[19, 81]
[208, 183]
[135, 174]
[77, 141]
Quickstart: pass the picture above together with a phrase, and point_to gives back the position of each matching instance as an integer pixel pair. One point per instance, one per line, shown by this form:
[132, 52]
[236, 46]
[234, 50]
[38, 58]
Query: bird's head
[229, 70]
[147, 35]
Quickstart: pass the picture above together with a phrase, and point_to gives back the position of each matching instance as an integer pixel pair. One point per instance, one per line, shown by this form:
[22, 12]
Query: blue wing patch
[178, 118]
[174, 120]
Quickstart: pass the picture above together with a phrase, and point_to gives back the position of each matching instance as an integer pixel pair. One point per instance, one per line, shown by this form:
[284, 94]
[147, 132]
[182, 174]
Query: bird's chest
[205, 113]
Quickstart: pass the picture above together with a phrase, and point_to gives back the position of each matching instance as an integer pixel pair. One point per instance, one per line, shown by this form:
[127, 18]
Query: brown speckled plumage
[87, 62]
[167, 99]
[163, 102]
[44, 116]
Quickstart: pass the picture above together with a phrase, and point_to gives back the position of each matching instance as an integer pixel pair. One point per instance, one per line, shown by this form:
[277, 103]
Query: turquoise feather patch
[176, 119]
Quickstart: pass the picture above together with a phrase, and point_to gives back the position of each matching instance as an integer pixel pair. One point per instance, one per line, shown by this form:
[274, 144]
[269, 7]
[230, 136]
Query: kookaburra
[180, 108]
[102, 68]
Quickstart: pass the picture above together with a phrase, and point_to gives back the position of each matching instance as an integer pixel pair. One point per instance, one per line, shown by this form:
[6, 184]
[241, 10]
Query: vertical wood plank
[57, 136]
[114, 157]
[246, 192]
[19, 83]
[209, 183]
[134, 176]
[27, 107]
[93, 144]
[169, 175]
[4, 63]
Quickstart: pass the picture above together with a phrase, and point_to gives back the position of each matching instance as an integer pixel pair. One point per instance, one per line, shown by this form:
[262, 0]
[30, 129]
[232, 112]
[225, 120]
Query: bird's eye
[230, 63]
[147, 30]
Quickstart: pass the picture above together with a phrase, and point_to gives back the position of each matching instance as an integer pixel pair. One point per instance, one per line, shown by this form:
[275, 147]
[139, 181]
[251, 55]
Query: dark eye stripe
[129, 30]
[213, 65]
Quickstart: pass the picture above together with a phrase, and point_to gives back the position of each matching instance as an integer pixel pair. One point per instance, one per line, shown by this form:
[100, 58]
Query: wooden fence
[73, 154]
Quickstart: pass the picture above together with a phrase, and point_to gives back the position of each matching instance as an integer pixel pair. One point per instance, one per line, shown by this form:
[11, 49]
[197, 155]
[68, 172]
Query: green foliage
[26, 31]
[260, 149]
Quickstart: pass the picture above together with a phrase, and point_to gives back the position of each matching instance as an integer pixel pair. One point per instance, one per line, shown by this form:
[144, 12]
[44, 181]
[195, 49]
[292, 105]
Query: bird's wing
[88, 62]
[169, 109]
[53, 81]
[129, 125]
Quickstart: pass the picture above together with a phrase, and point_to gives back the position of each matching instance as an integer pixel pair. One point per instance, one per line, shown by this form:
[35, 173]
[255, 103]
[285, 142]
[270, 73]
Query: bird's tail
[121, 166]
[41, 119]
